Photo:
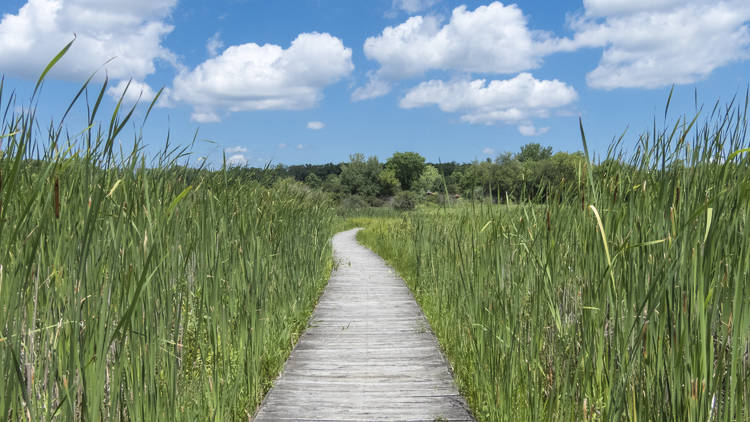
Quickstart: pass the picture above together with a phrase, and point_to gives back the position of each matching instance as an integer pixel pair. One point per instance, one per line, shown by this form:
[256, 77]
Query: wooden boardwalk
[368, 353]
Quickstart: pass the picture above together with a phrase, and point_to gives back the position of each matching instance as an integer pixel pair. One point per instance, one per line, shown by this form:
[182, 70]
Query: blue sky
[312, 81]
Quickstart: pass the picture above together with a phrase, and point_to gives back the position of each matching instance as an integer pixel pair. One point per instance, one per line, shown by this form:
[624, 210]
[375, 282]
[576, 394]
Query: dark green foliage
[405, 201]
[333, 185]
[313, 181]
[525, 176]
[429, 181]
[407, 166]
[534, 152]
[360, 175]
[446, 169]
[302, 172]
[389, 185]
[353, 202]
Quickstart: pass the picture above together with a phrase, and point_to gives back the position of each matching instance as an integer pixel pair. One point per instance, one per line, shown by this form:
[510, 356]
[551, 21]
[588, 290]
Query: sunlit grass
[627, 298]
[140, 292]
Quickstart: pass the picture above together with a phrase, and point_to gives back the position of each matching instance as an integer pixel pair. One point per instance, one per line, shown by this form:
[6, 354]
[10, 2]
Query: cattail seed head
[617, 185]
[583, 201]
[57, 198]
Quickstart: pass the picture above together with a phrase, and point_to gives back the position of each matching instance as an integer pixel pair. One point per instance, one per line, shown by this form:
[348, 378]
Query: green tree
[360, 175]
[389, 185]
[470, 178]
[429, 181]
[407, 166]
[313, 181]
[534, 152]
[333, 184]
[562, 168]
[509, 177]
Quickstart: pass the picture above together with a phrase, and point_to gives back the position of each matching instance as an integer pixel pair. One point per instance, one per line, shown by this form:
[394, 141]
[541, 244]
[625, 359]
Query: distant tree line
[406, 176]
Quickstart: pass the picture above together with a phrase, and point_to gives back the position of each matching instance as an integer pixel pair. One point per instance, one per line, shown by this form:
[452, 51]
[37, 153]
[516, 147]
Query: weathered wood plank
[368, 353]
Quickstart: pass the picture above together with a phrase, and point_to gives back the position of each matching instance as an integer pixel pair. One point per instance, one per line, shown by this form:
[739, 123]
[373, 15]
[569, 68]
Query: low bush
[405, 201]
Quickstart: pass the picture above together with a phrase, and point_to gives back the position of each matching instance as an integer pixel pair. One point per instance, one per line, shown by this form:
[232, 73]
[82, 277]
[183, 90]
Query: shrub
[374, 201]
[405, 201]
[353, 202]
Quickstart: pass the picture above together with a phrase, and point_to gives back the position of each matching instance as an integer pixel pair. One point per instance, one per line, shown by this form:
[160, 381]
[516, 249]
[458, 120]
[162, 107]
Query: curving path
[368, 353]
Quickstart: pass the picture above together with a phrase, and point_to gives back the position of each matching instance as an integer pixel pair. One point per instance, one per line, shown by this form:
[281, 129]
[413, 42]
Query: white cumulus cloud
[131, 32]
[375, 87]
[237, 160]
[214, 45]
[264, 77]
[515, 100]
[315, 125]
[654, 43]
[644, 43]
[490, 39]
[205, 117]
[137, 92]
[488, 151]
[529, 129]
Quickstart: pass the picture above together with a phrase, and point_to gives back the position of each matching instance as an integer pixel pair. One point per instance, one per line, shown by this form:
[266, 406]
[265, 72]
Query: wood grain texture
[368, 353]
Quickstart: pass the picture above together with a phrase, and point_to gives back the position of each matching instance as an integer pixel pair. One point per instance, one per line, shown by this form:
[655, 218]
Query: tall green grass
[143, 292]
[626, 298]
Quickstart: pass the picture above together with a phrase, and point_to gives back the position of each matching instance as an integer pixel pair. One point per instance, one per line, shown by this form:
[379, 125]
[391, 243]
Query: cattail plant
[637, 310]
[170, 292]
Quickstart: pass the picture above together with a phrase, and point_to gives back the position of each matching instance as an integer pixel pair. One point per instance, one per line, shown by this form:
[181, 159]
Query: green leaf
[738, 152]
[52, 64]
[179, 198]
[709, 217]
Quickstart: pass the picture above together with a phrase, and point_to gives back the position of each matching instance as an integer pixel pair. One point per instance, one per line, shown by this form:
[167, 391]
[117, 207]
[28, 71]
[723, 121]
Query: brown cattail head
[549, 223]
[617, 185]
[57, 198]
[583, 200]
[677, 200]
